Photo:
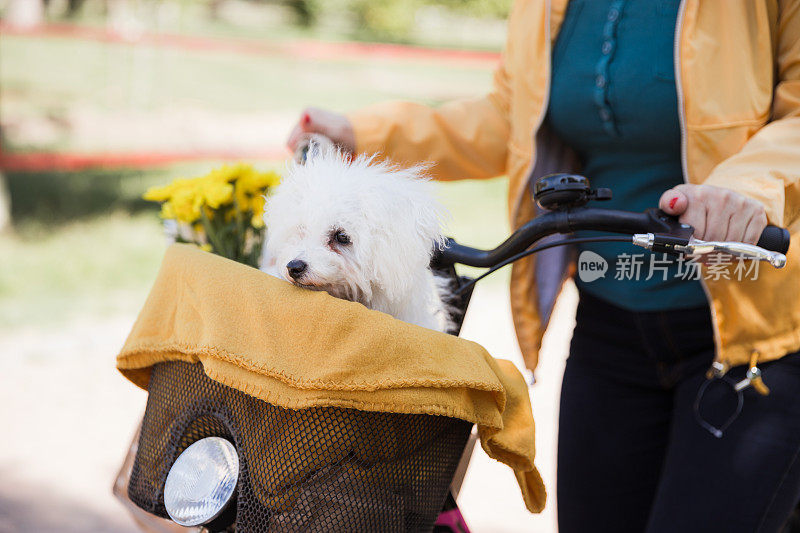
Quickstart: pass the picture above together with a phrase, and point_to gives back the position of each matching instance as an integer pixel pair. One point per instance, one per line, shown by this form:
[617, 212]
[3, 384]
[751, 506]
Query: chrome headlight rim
[202, 482]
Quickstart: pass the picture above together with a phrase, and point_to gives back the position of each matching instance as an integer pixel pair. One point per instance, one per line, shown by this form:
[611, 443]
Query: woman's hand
[716, 214]
[332, 125]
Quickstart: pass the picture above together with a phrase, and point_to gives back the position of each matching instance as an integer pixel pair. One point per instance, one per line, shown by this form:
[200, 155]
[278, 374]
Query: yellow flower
[253, 181]
[225, 173]
[206, 247]
[167, 211]
[257, 205]
[252, 184]
[216, 194]
[162, 194]
[186, 205]
[158, 194]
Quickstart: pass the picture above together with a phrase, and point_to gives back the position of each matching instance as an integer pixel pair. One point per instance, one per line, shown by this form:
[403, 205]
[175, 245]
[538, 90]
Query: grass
[51, 275]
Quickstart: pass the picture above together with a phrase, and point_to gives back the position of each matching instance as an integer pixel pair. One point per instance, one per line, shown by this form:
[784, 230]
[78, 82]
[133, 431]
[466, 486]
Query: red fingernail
[306, 118]
[672, 202]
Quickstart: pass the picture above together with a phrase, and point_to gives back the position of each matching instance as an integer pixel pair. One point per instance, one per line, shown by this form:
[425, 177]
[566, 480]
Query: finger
[737, 226]
[307, 122]
[695, 216]
[687, 199]
[716, 225]
[674, 201]
[314, 120]
[740, 215]
[755, 227]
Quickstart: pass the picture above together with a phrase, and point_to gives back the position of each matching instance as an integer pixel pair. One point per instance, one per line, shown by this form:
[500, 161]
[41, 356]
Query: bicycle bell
[562, 191]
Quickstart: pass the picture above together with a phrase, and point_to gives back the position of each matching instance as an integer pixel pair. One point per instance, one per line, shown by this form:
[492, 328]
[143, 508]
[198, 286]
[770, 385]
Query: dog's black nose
[296, 267]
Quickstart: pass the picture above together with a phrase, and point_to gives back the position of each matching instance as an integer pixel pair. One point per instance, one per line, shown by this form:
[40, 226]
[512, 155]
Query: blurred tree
[305, 11]
[477, 8]
[5, 205]
[73, 7]
[385, 19]
[391, 20]
[214, 7]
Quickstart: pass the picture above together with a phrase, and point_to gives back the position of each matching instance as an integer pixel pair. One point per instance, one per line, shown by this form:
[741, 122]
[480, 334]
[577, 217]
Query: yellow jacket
[738, 76]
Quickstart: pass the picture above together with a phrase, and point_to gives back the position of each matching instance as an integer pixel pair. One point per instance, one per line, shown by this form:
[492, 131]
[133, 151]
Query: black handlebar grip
[775, 239]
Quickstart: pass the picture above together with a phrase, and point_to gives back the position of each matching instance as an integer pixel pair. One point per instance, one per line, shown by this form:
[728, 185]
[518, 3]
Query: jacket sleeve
[768, 166]
[463, 139]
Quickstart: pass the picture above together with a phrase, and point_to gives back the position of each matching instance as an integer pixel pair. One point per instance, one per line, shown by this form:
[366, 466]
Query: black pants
[633, 457]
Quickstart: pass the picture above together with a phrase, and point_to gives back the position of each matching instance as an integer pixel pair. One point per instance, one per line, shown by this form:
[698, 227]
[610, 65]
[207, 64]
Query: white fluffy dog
[360, 230]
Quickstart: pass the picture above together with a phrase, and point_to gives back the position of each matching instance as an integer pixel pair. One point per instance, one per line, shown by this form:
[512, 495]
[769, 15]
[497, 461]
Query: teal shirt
[613, 100]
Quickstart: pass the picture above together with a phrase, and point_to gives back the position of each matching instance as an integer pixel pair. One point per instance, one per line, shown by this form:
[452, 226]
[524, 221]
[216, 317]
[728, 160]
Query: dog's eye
[341, 238]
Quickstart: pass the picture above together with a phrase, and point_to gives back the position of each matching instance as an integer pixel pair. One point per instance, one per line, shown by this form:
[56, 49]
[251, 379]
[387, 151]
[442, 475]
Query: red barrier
[67, 162]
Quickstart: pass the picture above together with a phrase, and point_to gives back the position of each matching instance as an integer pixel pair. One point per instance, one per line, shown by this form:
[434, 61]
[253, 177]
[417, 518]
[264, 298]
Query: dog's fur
[391, 218]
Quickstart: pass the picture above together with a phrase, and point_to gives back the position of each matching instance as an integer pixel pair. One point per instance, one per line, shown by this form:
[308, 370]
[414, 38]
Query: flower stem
[211, 233]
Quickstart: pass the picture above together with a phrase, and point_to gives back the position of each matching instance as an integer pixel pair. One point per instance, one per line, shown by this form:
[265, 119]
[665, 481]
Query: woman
[693, 106]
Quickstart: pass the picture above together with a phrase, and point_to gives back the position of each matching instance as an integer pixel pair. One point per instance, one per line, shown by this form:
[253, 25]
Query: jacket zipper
[685, 162]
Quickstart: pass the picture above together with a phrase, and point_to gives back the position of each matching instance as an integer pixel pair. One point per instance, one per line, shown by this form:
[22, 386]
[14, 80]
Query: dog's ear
[405, 201]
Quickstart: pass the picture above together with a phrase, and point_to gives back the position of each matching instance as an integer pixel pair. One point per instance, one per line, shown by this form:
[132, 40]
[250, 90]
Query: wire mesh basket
[310, 470]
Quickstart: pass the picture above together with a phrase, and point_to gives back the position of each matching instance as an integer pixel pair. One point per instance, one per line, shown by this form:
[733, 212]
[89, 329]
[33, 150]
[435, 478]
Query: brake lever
[738, 249]
[692, 246]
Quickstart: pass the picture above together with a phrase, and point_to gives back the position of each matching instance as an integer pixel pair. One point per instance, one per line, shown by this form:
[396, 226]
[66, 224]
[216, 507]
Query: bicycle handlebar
[659, 228]
[774, 239]
[652, 221]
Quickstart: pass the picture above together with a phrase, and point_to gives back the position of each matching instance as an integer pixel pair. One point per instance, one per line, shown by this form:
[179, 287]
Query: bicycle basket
[314, 469]
[344, 418]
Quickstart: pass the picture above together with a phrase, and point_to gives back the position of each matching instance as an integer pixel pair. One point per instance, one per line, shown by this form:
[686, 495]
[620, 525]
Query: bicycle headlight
[201, 482]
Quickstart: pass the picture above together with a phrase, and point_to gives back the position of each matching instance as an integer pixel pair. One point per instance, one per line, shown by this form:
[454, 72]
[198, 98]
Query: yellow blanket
[296, 348]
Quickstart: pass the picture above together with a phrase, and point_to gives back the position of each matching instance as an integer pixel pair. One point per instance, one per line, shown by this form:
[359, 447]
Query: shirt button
[605, 114]
[600, 81]
[613, 14]
[607, 47]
